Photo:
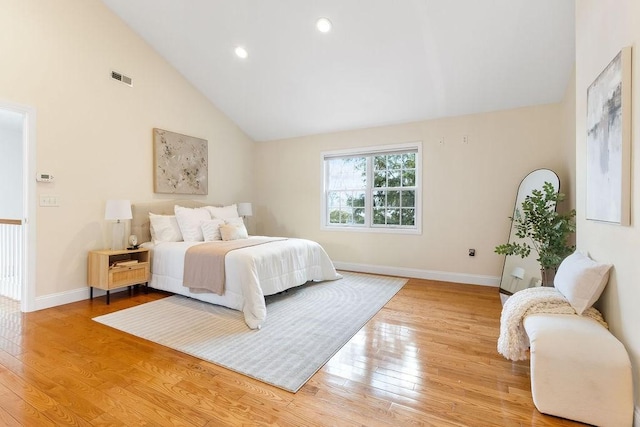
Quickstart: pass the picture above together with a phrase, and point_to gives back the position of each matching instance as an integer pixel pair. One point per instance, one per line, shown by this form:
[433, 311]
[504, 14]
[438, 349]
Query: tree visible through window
[394, 193]
[372, 189]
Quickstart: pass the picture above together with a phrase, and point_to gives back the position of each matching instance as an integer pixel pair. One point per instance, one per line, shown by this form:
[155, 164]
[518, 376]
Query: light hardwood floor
[427, 359]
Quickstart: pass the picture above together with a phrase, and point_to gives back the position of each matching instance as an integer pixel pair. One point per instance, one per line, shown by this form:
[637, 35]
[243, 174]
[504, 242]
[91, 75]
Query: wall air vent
[121, 78]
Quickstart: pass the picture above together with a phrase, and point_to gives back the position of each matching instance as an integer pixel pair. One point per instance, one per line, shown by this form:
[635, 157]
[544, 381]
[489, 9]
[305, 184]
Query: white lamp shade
[245, 209]
[518, 273]
[118, 209]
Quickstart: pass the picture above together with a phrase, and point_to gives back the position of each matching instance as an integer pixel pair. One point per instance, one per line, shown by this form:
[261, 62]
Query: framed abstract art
[180, 163]
[608, 169]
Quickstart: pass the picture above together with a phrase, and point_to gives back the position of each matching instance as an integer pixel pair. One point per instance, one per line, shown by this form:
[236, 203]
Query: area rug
[305, 327]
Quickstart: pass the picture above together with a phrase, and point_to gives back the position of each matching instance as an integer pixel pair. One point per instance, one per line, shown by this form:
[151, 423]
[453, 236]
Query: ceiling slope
[383, 63]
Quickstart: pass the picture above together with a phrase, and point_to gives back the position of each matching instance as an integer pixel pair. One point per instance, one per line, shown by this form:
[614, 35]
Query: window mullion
[369, 193]
[327, 219]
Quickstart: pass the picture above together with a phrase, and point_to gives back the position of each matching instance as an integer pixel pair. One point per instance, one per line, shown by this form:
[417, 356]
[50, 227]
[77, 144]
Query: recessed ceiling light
[323, 25]
[241, 52]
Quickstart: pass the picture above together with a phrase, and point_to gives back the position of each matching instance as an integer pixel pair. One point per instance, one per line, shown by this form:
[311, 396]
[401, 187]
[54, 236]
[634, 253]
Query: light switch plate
[49, 201]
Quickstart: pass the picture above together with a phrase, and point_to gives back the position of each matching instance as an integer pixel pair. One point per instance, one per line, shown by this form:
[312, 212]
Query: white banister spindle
[11, 260]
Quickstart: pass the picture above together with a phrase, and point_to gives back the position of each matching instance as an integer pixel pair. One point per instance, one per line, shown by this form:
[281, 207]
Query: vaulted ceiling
[383, 62]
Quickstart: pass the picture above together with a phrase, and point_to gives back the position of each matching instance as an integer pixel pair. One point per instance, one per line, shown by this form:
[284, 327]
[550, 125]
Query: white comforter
[251, 273]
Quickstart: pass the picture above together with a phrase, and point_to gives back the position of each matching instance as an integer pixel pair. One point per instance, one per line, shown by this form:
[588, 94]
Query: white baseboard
[473, 279]
[54, 300]
[636, 417]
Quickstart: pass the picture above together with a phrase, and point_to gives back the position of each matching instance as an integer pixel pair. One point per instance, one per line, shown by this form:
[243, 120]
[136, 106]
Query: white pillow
[164, 228]
[211, 229]
[234, 221]
[190, 222]
[233, 231]
[581, 280]
[225, 212]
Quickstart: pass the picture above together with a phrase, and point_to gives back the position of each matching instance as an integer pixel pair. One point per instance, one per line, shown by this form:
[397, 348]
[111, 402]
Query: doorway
[17, 211]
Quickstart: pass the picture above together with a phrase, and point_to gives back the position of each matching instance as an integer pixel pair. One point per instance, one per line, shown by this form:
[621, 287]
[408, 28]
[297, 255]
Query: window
[373, 189]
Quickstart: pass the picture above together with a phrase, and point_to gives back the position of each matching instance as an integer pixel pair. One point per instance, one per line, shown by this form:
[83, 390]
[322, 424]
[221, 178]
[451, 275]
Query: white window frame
[372, 151]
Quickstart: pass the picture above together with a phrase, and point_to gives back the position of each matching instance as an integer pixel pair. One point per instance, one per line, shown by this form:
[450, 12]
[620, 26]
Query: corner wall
[603, 28]
[568, 147]
[94, 134]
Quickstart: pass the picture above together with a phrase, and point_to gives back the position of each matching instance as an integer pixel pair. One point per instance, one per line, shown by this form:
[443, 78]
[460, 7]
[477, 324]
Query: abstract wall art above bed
[180, 163]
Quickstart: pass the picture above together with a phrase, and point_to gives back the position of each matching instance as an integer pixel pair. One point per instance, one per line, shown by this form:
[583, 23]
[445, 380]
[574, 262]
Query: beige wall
[568, 151]
[602, 29]
[468, 190]
[95, 134]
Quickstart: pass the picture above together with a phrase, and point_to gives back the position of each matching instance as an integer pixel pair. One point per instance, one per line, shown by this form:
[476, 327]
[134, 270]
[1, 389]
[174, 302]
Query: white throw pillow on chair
[581, 280]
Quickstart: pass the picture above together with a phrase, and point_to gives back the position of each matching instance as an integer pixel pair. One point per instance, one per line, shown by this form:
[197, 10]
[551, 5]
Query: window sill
[410, 231]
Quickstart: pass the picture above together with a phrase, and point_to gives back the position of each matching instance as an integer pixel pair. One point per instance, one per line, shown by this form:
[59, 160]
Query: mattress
[251, 273]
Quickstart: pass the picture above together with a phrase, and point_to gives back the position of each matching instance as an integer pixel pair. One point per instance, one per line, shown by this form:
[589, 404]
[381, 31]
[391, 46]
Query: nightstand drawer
[129, 275]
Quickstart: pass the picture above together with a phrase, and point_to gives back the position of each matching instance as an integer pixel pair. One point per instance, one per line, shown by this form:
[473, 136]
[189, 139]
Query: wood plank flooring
[428, 358]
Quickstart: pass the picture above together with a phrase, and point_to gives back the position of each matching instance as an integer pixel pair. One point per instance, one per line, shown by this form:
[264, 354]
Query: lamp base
[117, 236]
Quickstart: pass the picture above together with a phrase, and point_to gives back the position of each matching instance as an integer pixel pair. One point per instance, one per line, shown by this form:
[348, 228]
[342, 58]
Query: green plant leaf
[538, 222]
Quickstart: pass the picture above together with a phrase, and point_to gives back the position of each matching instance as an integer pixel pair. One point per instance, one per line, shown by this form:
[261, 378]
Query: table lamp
[245, 209]
[117, 210]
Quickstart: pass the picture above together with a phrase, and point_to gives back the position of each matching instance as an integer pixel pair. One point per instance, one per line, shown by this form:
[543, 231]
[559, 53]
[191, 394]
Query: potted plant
[543, 230]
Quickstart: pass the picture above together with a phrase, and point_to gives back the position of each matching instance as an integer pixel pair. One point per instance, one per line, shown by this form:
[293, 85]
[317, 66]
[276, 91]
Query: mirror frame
[520, 273]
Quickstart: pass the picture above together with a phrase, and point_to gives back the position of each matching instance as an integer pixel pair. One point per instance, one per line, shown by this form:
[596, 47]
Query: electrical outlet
[441, 140]
[465, 139]
[472, 252]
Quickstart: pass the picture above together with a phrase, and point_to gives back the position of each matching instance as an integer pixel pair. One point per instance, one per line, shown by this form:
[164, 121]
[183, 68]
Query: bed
[251, 272]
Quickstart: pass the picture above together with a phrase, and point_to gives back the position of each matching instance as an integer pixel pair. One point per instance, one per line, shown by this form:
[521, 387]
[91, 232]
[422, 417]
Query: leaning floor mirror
[519, 273]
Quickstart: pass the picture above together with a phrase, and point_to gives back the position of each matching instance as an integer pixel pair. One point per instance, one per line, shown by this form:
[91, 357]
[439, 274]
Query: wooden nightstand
[109, 270]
